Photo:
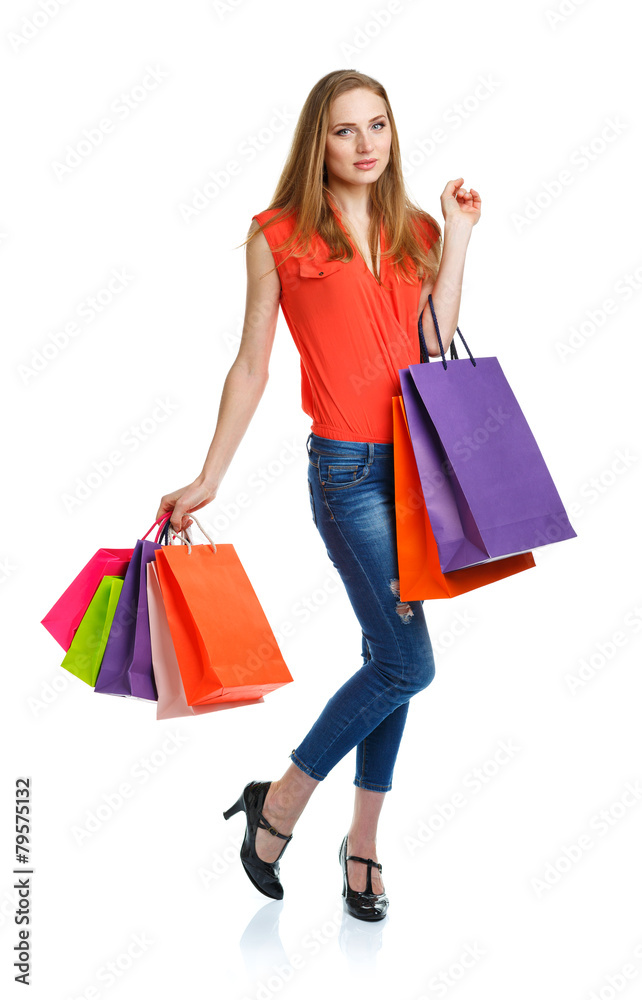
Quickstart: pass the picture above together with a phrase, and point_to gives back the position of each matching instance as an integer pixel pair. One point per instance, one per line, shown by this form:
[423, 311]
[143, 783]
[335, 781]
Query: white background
[165, 865]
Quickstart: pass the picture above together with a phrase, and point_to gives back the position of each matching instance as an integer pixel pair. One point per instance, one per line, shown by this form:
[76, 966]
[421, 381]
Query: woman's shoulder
[427, 226]
[286, 219]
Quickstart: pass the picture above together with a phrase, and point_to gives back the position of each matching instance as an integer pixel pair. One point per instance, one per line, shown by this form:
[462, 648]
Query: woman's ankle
[286, 799]
[360, 840]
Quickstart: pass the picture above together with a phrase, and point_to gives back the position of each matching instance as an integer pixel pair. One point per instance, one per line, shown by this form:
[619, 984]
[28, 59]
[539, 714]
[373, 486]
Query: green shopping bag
[84, 656]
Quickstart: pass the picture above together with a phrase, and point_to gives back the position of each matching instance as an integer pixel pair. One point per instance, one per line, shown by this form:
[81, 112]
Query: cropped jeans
[351, 486]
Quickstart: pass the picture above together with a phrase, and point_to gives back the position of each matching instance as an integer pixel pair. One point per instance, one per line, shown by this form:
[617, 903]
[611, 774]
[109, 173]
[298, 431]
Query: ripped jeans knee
[404, 610]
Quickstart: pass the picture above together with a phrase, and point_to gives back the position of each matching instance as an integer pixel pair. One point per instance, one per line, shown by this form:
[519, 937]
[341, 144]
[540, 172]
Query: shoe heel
[237, 807]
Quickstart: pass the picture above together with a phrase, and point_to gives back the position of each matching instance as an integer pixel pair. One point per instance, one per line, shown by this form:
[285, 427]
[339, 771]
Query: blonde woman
[351, 261]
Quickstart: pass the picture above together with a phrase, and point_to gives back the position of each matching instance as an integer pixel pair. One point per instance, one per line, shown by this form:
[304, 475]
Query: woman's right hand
[190, 498]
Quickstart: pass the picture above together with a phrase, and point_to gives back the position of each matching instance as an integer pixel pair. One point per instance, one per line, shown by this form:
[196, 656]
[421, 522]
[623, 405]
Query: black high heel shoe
[366, 905]
[264, 875]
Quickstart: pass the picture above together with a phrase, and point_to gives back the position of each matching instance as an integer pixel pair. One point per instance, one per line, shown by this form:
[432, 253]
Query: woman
[351, 261]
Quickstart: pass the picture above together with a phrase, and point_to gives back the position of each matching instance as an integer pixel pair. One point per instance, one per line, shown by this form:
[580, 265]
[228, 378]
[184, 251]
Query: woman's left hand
[458, 203]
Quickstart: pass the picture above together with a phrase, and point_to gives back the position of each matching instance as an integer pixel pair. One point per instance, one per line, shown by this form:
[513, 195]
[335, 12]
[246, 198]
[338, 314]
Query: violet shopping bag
[65, 616]
[487, 489]
[126, 668]
[172, 702]
[84, 656]
[420, 577]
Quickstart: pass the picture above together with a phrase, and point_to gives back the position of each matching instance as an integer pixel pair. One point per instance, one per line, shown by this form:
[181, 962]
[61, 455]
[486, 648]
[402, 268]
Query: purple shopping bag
[486, 486]
[126, 667]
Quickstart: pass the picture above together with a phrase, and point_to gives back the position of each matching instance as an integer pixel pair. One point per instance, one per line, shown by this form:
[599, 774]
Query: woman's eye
[380, 124]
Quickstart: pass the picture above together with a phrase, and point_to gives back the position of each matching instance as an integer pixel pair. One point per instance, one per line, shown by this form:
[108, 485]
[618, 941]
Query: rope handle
[183, 536]
[453, 350]
[162, 534]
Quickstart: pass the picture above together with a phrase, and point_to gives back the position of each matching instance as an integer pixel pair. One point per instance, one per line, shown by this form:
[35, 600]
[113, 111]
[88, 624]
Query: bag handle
[184, 536]
[453, 350]
[159, 521]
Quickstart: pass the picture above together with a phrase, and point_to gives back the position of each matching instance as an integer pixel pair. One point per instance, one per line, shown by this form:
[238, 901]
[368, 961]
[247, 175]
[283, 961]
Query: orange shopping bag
[171, 702]
[420, 575]
[224, 644]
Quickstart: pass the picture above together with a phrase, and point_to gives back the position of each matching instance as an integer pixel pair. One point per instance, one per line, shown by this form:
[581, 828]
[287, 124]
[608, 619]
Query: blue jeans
[351, 486]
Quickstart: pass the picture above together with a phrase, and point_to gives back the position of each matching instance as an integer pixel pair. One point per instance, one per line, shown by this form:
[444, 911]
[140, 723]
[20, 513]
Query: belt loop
[370, 452]
[307, 443]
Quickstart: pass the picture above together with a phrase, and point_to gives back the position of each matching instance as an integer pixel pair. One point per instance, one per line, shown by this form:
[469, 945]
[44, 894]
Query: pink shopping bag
[65, 616]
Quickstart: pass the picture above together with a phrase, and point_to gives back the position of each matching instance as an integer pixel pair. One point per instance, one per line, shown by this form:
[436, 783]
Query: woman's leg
[362, 839]
[352, 498]
[352, 501]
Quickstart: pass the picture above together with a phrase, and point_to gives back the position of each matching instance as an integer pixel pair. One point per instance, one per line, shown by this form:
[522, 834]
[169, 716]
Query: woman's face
[359, 129]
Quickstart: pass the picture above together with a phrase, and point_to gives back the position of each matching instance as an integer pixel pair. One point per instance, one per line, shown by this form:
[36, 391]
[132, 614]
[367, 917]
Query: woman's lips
[366, 164]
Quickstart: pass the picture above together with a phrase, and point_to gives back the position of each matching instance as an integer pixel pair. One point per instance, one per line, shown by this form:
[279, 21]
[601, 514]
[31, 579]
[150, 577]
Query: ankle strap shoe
[366, 905]
[264, 875]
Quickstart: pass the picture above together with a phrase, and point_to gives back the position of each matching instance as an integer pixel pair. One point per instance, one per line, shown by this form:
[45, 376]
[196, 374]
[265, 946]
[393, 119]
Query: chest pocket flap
[319, 268]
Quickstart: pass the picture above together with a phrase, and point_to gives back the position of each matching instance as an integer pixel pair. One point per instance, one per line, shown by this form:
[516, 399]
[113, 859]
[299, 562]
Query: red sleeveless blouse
[353, 334]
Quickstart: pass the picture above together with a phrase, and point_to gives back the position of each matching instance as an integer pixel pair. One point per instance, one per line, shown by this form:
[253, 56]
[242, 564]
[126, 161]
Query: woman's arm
[461, 211]
[243, 386]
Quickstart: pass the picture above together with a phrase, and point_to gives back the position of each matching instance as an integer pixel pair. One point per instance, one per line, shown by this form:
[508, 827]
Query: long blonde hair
[302, 189]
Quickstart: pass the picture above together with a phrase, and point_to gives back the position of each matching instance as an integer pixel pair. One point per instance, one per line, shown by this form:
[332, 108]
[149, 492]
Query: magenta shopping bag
[487, 489]
[126, 667]
[65, 616]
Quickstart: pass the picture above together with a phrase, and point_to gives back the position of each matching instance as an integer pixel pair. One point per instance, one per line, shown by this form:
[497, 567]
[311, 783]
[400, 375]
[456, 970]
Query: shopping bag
[126, 668]
[420, 576]
[172, 702]
[84, 656]
[486, 486]
[65, 616]
[224, 644]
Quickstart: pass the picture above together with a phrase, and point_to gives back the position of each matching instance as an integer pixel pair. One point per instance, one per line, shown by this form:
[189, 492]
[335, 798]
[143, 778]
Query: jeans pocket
[341, 472]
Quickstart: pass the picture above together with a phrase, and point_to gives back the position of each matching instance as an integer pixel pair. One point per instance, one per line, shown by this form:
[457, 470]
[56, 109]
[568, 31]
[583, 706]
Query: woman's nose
[365, 144]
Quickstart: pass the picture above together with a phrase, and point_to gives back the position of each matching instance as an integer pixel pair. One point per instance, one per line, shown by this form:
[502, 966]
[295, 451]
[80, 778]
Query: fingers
[179, 521]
